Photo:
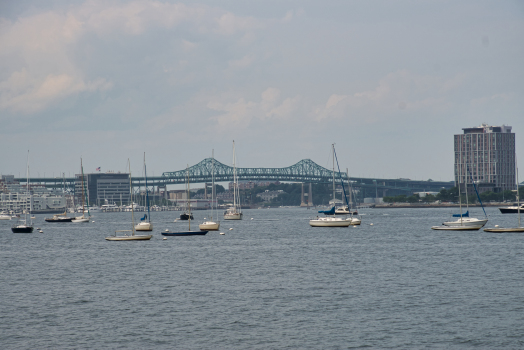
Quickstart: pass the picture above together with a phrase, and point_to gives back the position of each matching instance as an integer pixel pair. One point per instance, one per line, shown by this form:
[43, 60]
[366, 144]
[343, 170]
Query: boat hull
[233, 216]
[144, 226]
[456, 228]
[129, 238]
[330, 222]
[209, 226]
[511, 210]
[466, 222]
[58, 220]
[184, 233]
[22, 229]
[501, 229]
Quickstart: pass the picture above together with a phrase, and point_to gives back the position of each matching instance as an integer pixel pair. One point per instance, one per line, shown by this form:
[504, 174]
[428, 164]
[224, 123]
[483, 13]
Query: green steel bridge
[305, 171]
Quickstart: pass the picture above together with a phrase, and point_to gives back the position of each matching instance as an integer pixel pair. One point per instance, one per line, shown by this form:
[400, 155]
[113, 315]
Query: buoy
[230, 229]
[251, 218]
[222, 233]
[167, 230]
[93, 221]
[41, 231]
[496, 225]
[371, 224]
[164, 238]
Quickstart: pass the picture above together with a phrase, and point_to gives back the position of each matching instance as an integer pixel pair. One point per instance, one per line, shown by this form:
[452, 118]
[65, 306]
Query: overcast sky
[389, 82]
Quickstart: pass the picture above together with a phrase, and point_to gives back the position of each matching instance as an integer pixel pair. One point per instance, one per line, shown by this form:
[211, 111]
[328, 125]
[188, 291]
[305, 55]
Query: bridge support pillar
[310, 196]
[302, 201]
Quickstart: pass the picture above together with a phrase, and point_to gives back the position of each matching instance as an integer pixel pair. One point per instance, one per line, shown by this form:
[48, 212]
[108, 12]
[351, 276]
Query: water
[272, 282]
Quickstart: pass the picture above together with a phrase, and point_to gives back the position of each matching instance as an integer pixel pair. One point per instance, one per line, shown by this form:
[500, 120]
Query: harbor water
[270, 282]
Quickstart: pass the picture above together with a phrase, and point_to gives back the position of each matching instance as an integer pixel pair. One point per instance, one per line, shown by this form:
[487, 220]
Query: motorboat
[514, 209]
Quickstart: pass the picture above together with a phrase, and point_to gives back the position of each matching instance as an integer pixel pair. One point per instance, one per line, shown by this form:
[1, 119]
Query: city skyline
[389, 83]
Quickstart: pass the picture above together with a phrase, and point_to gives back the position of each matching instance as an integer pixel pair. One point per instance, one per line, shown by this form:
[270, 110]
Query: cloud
[397, 91]
[22, 92]
[39, 52]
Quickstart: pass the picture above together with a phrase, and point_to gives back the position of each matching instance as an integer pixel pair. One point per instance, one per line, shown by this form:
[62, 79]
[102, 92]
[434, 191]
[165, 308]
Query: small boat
[133, 236]
[145, 223]
[23, 226]
[186, 216]
[188, 232]
[211, 225]
[4, 216]
[512, 209]
[60, 218]
[234, 212]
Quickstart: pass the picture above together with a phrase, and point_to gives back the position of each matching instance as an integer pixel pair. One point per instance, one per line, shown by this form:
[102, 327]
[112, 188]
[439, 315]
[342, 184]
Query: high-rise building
[486, 155]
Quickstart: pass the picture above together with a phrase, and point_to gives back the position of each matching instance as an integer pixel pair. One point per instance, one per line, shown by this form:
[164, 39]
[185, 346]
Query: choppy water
[270, 283]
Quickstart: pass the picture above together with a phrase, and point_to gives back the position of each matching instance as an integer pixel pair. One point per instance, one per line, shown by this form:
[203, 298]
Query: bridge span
[304, 171]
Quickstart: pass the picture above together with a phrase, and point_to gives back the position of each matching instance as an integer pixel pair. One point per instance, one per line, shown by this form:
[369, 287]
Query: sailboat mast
[234, 178]
[83, 194]
[188, 198]
[333, 146]
[213, 182]
[28, 192]
[132, 204]
[460, 200]
[147, 191]
[518, 197]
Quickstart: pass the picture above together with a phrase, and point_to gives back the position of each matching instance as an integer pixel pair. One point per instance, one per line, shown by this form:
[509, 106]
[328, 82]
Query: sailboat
[133, 237]
[188, 232]
[145, 223]
[23, 226]
[510, 229]
[464, 223]
[186, 215]
[333, 221]
[83, 218]
[211, 225]
[234, 212]
[60, 217]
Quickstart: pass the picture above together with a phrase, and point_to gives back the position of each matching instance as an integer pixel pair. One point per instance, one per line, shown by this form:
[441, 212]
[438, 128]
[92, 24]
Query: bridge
[304, 171]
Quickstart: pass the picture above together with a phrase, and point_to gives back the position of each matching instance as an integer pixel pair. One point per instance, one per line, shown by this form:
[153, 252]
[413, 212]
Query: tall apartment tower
[486, 155]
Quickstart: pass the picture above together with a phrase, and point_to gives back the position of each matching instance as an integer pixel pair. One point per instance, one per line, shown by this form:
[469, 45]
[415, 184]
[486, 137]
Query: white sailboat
[23, 226]
[333, 221]
[464, 223]
[145, 224]
[234, 212]
[211, 225]
[83, 218]
[133, 236]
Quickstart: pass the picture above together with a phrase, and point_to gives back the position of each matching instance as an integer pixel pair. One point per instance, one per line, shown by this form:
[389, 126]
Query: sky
[388, 82]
